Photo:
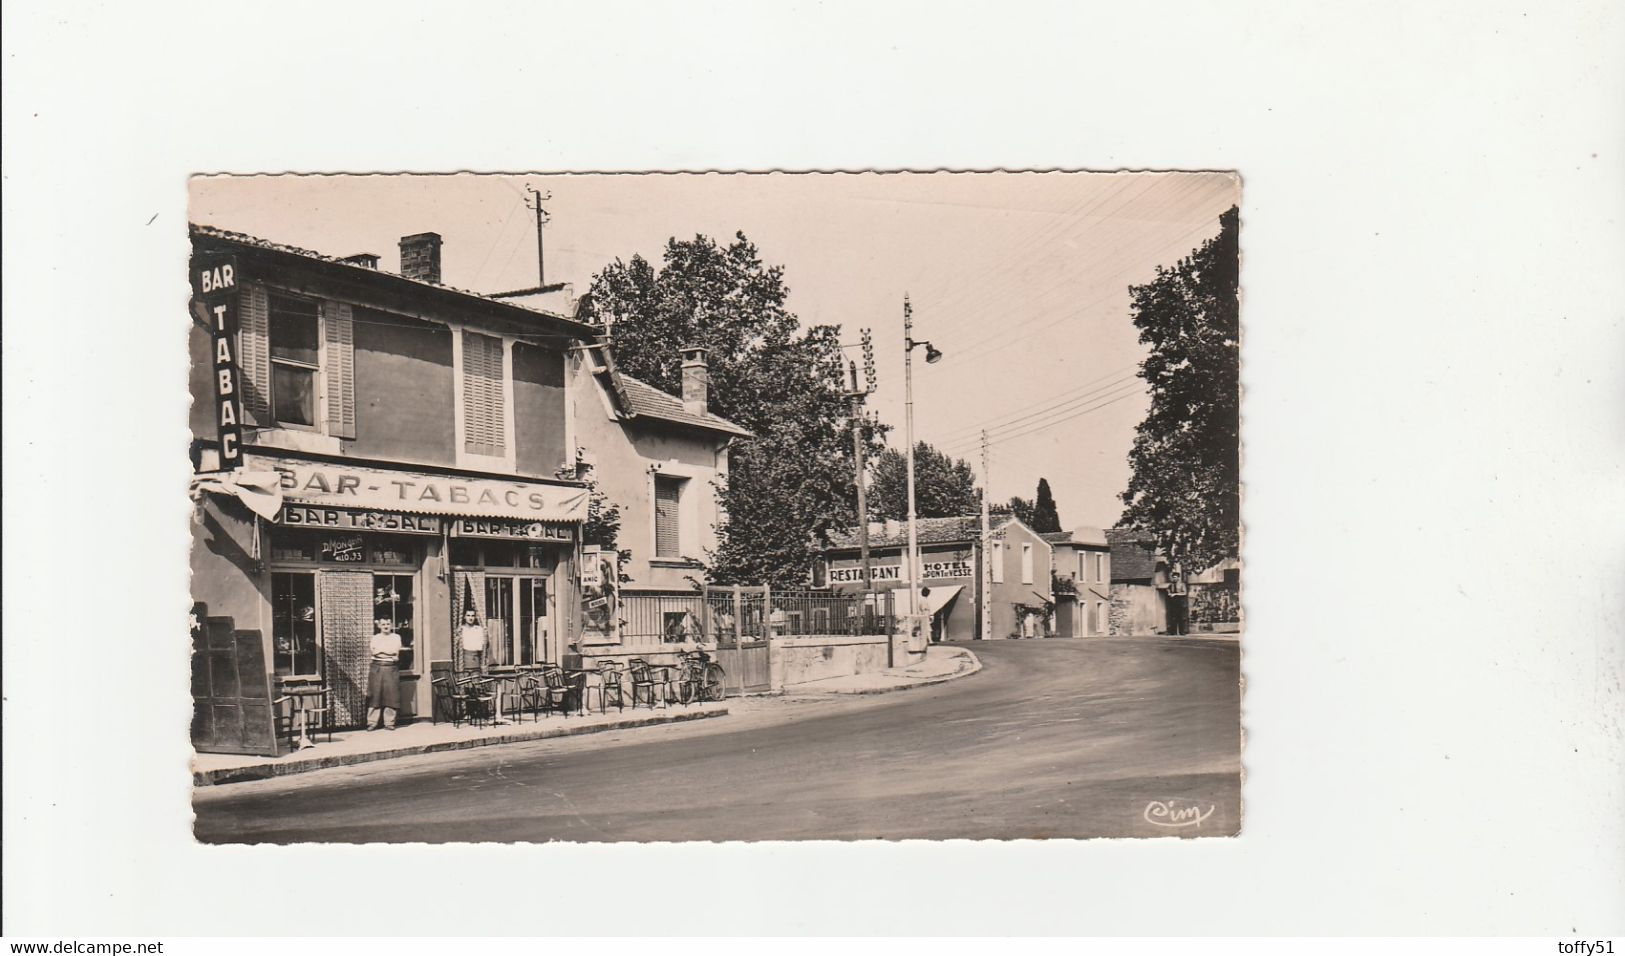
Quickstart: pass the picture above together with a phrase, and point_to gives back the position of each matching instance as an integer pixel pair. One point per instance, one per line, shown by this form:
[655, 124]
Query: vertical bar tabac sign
[214, 279]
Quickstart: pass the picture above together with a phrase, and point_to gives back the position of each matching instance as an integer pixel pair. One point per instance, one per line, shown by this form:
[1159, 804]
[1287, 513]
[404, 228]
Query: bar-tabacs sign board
[214, 283]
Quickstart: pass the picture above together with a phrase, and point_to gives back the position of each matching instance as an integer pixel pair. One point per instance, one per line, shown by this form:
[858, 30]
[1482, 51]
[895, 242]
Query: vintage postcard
[711, 507]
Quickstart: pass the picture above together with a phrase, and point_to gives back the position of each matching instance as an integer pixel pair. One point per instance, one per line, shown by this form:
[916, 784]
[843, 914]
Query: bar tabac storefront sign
[500, 528]
[374, 489]
[214, 286]
[345, 519]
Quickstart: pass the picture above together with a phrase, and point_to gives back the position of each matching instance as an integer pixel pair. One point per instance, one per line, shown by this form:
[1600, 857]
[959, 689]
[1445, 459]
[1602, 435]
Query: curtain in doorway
[469, 592]
[346, 598]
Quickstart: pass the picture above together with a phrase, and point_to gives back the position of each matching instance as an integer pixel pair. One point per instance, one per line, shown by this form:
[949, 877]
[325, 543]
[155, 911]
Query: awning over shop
[350, 486]
[259, 490]
[939, 598]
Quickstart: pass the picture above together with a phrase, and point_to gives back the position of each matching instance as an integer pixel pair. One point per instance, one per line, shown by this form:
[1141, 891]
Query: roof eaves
[254, 242]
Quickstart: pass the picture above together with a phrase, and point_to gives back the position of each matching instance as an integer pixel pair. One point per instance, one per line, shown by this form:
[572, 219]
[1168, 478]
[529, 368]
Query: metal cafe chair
[609, 685]
[479, 701]
[557, 691]
[645, 681]
[448, 701]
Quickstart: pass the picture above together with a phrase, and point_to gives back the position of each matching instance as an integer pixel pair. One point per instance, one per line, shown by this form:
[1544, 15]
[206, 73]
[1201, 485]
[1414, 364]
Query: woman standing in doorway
[384, 677]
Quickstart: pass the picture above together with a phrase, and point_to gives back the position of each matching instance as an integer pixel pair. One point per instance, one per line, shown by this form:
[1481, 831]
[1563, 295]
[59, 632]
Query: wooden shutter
[254, 353]
[484, 418]
[339, 368]
[667, 495]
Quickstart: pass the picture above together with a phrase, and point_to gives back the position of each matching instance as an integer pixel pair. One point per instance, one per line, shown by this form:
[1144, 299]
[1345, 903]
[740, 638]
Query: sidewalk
[942, 663]
[423, 737]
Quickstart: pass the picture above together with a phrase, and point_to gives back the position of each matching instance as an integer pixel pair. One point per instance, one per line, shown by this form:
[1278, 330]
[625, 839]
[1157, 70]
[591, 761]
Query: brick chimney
[696, 380]
[366, 260]
[420, 256]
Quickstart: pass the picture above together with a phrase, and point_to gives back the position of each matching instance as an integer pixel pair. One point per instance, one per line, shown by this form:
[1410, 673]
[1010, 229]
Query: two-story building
[396, 445]
[657, 458]
[951, 559]
[1082, 566]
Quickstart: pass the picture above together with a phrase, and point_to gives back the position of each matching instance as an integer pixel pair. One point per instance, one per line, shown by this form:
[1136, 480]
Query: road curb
[975, 665]
[266, 771]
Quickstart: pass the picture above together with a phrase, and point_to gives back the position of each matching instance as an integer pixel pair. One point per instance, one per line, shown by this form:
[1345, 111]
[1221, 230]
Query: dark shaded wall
[405, 404]
[199, 381]
[539, 409]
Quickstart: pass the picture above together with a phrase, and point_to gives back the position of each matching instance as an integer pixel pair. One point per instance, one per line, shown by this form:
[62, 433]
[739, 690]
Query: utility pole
[985, 605]
[860, 458]
[537, 198]
[908, 438]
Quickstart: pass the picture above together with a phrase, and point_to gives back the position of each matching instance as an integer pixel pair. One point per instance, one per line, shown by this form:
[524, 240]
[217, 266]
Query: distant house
[658, 458]
[1082, 566]
[1152, 595]
[1020, 595]
[1139, 583]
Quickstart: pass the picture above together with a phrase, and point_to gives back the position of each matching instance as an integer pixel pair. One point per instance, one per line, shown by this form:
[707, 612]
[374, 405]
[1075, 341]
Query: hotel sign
[502, 528]
[323, 484]
[214, 280]
[301, 516]
[931, 570]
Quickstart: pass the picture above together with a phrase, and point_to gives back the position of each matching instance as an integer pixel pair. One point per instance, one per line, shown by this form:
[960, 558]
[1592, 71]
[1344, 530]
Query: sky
[1020, 279]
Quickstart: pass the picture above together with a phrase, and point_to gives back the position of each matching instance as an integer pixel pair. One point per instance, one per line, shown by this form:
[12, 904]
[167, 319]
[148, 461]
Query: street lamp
[932, 356]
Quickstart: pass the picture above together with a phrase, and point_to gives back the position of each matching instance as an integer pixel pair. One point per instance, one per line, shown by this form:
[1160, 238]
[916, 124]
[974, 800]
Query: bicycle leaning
[699, 678]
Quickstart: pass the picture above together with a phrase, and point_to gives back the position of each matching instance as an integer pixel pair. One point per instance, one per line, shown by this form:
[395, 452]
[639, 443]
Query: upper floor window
[298, 363]
[1083, 567]
[668, 516]
[1026, 564]
[485, 398]
[295, 336]
[998, 562]
[1100, 568]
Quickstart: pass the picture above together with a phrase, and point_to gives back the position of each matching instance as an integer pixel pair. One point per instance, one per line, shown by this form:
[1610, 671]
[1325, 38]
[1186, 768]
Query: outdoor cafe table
[299, 692]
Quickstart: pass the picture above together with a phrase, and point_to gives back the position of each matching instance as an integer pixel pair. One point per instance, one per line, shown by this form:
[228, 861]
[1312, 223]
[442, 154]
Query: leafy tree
[1186, 458]
[792, 481]
[944, 487]
[1045, 517]
[1021, 507]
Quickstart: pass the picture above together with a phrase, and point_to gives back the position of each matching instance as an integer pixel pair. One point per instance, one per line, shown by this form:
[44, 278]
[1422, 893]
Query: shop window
[465, 553]
[293, 624]
[392, 599]
[668, 521]
[392, 551]
[294, 332]
[485, 428]
[1026, 564]
[292, 546]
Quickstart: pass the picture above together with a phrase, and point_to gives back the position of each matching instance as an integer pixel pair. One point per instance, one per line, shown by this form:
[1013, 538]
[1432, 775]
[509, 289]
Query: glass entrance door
[517, 625]
[293, 625]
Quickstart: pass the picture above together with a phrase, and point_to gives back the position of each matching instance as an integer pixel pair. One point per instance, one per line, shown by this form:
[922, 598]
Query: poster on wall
[600, 600]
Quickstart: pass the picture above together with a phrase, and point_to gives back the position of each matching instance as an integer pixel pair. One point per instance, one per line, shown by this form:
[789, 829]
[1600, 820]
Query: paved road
[1054, 738]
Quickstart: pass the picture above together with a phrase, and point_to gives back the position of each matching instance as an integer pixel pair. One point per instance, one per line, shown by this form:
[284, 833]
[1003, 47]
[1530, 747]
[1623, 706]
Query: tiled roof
[242, 239]
[1088, 535]
[927, 531]
[1133, 554]
[1057, 537]
[645, 401]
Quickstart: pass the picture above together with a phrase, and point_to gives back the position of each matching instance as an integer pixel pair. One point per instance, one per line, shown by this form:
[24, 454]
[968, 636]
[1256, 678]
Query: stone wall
[797, 660]
[1137, 609]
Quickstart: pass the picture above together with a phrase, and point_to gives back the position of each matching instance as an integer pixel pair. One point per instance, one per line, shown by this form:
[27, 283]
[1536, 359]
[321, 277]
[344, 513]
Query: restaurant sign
[214, 280]
[932, 568]
[372, 489]
[502, 528]
[302, 516]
